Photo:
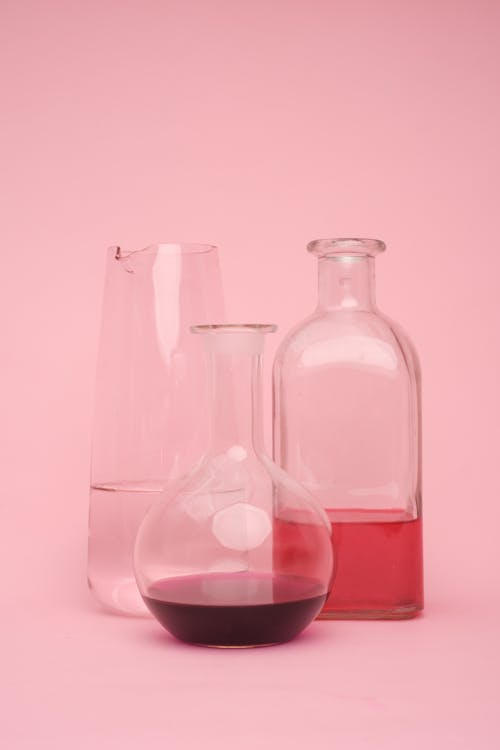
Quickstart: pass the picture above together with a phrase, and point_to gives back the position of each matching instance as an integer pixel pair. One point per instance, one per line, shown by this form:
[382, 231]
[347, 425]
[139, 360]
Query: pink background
[256, 126]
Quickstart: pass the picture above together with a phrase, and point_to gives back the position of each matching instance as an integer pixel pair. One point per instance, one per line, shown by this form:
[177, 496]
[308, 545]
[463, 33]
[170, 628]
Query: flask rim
[229, 328]
[356, 247]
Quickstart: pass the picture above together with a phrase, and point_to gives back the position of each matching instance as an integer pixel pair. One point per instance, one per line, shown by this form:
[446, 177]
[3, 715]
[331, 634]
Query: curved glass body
[239, 554]
[347, 426]
[149, 424]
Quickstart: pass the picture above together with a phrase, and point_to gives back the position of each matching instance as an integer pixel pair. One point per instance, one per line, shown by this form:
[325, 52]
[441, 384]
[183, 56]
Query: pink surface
[257, 126]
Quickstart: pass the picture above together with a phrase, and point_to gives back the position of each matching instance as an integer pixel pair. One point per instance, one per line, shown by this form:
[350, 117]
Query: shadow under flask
[238, 554]
[347, 425]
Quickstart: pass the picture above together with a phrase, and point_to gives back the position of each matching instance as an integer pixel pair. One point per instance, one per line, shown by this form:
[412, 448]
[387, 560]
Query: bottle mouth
[234, 328]
[342, 248]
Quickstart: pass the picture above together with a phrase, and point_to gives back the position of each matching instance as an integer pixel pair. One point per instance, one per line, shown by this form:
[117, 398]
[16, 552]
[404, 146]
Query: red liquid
[238, 609]
[379, 570]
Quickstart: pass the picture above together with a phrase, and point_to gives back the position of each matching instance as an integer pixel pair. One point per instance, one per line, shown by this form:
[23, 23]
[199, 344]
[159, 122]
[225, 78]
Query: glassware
[347, 426]
[239, 554]
[149, 422]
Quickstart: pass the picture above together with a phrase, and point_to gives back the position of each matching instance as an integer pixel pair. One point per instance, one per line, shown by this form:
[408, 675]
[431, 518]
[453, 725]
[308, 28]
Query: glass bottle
[149, 424]
[347, 426]
[239, 554]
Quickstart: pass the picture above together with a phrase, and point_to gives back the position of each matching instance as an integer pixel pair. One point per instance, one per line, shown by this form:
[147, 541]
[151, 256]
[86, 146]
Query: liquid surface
[242, 609]
[379, 570]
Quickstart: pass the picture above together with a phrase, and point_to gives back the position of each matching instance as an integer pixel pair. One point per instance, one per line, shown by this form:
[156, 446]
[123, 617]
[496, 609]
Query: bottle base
[393, 613]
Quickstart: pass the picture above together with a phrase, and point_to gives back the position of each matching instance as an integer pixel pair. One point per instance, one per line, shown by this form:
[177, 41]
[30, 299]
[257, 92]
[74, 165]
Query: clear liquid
[116, 512]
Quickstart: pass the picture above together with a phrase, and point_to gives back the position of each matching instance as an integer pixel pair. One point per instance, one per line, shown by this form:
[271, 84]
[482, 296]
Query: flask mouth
[343, 248]
[234, 338]
[234, 328]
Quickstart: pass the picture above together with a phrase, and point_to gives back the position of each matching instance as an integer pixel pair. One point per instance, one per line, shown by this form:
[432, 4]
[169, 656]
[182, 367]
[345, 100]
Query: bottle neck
[235, 403]
[346, 283]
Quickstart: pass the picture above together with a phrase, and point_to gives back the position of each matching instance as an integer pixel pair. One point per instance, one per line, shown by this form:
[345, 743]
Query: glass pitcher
[150, 425]
[347, 426]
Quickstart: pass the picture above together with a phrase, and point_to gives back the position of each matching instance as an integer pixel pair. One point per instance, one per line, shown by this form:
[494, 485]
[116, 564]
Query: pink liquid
[238, 609]
[379, 568]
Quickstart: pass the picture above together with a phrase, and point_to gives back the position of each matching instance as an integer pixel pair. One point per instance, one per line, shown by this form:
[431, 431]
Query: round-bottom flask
[239, 554]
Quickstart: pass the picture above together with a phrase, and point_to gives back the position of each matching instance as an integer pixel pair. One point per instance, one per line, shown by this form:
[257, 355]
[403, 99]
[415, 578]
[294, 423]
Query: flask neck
[235, 403]
[346, 282]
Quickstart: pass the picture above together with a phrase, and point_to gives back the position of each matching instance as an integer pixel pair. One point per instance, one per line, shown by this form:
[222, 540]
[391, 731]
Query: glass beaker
[347, 426]
[239, 554]
[149, 424]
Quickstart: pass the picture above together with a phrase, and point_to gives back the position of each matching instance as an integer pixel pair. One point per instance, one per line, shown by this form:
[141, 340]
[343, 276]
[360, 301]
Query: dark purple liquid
[235, 609]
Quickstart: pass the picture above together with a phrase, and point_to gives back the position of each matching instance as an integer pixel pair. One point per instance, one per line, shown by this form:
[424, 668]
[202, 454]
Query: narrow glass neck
[235, 402]
[346, 283]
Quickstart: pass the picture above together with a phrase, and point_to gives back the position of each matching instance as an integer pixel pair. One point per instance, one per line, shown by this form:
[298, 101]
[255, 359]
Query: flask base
[241, 610]
[237, 647]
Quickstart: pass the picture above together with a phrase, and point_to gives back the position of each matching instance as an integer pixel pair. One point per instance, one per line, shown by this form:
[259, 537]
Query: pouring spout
[117, 253]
